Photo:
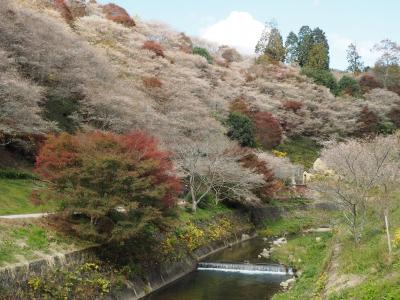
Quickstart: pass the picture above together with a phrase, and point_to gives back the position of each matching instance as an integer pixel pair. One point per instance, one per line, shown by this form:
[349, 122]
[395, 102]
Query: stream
[235, 273]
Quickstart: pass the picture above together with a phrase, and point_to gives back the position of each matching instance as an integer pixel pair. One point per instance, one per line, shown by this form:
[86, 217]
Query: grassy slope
[300, 150]
[29, 240]
[372, 261]
[15, 197]
[310, 257]
[379, 272]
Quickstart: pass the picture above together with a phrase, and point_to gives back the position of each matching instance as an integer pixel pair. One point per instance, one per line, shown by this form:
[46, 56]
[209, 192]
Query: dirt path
[335, 280]
[25, 216]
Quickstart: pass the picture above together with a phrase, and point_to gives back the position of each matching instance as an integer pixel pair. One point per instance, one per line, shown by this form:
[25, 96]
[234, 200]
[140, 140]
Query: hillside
[92, 72]
[151, 149]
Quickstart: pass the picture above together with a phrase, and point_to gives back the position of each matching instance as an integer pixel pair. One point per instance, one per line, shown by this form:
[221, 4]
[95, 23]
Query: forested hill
[77, 65]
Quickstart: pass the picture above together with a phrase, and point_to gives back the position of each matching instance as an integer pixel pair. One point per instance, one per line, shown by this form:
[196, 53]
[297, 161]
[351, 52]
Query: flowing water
[235, 273]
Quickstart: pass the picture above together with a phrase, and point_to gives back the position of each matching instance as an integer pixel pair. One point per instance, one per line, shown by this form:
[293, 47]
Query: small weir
[245, 268]
[235, 273]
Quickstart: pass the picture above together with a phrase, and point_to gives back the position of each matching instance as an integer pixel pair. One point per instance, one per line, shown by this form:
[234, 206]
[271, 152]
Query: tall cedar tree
[318, 58]
[305, 43]
[116, 185]
[319, 38]
[292, 46]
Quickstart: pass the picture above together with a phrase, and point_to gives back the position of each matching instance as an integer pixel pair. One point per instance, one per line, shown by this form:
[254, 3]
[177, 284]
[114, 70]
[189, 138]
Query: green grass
[202, 214]
[378, 271]
[27, 239]
[308, 256]
[377, 288]
[301, 150]
[295, 222]
[15, 197]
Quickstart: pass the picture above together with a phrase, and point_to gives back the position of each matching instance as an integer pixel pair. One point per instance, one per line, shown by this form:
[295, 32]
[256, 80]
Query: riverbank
[191, 239]
[329, 264]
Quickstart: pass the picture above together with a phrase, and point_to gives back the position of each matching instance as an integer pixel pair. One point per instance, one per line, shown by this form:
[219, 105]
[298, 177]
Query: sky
[239, 23]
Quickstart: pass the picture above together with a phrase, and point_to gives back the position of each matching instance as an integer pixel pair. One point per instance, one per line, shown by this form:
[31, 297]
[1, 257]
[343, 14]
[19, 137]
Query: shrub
[368, 82]
[116, 183]
[322, 77]
[349, 86]
[154, 47]
[386, 127]
[118, 14]
[267, 128]
[203, 52]
[239, 105]
[230, 55]
[15, 174]
[291, 105]
[394, 117]
[241, 129]
[151, 82]
[268, 189]
[367, 122]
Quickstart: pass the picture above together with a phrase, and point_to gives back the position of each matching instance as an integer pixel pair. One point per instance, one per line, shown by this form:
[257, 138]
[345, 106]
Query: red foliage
[395, 88]
[63, 9]
[270, 186]
[267, 128]
[119, 15]
[394, 116]
[154, 47]
[368, 82]
[367, 123]
[291, 105]
[69, 160]
[151, 82]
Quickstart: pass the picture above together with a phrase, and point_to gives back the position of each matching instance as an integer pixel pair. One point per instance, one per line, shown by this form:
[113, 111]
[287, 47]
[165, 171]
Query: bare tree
[361, 168]
[385, 150]
[390, 57]
[210, 167]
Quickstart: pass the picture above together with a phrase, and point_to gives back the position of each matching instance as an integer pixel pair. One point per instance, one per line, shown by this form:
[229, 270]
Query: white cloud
[338, 46]
[240, 30]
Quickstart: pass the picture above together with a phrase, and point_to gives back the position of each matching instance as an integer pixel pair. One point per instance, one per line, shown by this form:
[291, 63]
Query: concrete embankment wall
[138, 287]
[170, 272]
[15, 275]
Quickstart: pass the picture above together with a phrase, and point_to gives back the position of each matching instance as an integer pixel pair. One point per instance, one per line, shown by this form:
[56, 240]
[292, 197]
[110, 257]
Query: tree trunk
[355, 231]
[193, 195]
[388, 233]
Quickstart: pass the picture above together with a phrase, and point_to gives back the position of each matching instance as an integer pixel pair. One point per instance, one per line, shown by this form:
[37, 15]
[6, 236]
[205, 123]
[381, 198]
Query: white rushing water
[245, 268]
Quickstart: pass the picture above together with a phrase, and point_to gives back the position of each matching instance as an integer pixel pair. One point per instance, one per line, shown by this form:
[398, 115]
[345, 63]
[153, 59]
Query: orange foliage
[151, 82]
[118, 14]
[239, 105]
[267, 128]
[63, 9]
[154, 47]
[291, 105]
